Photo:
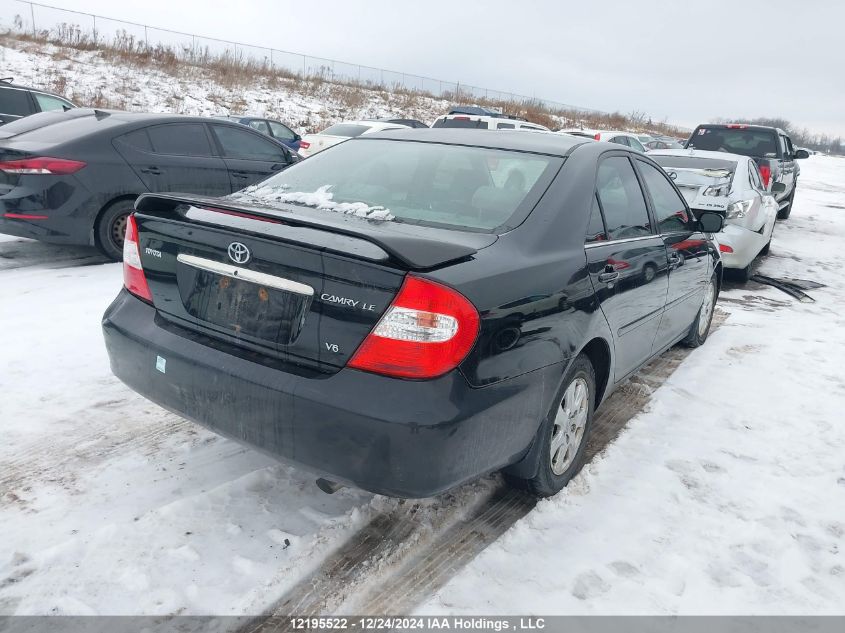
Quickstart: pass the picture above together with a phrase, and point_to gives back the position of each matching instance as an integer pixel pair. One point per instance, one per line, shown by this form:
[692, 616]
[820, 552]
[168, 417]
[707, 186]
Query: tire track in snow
[400, 558]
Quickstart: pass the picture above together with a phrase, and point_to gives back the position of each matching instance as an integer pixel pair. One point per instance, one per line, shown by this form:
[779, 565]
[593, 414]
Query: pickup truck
[770, 147]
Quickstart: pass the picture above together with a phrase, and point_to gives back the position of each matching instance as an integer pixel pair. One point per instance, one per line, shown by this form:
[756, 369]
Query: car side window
[139, 139]
[180, 139]
[621, 199]
[620, 140]
[261, 126]
[670, 210]
[49, 102]
[505, 126]
[281, 131]
[595, 226]
[790, 151]
[245, 145]
[635, 144]
[15, 102]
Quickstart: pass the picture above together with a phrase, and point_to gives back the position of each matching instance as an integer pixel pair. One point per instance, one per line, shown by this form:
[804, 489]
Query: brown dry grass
[232, 69]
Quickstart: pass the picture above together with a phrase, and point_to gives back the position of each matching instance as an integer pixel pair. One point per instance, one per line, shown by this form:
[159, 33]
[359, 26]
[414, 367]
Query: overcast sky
[685, 61]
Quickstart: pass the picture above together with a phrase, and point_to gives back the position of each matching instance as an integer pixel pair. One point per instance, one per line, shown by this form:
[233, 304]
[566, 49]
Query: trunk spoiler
[415, 247]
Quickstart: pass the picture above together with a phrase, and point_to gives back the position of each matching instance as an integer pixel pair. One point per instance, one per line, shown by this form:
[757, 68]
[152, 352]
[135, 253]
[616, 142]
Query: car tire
[563, 435]
[783, 214]
[111, 227]
[742, 275]
[700, 328]
[767, 247]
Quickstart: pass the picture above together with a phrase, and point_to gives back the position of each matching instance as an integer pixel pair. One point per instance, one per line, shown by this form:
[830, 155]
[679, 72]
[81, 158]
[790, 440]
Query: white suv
[621, 138]
[486, 122]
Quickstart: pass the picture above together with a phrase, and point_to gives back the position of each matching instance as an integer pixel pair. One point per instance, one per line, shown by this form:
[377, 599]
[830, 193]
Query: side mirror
[802, 153]
[778, 187]
[711, 222]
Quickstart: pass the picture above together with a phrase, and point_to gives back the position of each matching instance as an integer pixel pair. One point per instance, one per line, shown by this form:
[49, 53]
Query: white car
[729, 184]
[484, 122]
[628, 139]
[339, 132]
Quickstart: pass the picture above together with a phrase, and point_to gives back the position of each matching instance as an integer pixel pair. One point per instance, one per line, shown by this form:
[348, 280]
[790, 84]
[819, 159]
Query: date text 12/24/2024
[418, 623]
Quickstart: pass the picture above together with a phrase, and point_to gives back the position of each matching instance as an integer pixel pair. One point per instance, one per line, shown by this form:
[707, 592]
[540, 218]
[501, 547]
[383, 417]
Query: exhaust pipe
[329, 487]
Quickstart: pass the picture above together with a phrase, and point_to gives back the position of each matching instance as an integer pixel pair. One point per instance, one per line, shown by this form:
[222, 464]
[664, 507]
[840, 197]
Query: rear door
[175, 157]
[249, 156]
[627, 263]
[687, 253]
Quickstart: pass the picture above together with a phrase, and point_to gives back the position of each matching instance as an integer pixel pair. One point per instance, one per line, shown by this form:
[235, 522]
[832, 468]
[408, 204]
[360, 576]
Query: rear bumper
[64, 211]
[396, 437]
[746, 245]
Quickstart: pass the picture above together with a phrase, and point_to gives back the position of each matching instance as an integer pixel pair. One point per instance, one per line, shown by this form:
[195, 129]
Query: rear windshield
[346, 129]
[56, 127]
[452, 186]
[753, 143]
[475, 124]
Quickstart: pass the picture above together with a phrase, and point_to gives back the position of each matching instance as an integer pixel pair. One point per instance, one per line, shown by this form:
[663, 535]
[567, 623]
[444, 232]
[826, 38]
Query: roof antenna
[101, 114]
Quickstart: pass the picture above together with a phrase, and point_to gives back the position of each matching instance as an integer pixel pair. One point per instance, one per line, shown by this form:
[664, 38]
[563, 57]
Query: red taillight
[724, 248]
[304, 144]
[597, 137]
[25, 216]
[133, 272]
[766, 175]
[461, 118]
[42, 165]
[427, 331]
[736, 126]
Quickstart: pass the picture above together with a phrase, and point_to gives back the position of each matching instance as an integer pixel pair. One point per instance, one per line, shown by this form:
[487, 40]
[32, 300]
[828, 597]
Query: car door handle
[240, 174]
[277, 167]
[151, 170]
[606, 278]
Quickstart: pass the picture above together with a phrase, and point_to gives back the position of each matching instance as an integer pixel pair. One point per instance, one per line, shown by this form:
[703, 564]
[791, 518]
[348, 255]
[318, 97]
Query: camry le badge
[238, 253]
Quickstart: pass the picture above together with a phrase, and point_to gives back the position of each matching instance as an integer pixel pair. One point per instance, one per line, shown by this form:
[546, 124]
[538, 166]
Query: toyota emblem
[238, 253]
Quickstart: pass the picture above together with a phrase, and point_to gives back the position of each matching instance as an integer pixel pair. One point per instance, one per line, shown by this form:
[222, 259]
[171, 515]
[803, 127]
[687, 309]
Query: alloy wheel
[569, 425]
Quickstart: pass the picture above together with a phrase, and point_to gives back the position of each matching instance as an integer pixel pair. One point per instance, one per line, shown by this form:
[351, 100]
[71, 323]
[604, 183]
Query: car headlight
[738, 210]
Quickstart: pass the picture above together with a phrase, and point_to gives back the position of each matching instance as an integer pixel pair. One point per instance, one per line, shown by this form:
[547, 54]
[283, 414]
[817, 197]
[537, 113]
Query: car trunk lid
[306, 288]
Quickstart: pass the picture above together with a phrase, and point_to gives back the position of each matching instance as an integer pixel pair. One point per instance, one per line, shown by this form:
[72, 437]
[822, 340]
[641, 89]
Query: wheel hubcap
[569, 425]
[707, 308]
[118, 230]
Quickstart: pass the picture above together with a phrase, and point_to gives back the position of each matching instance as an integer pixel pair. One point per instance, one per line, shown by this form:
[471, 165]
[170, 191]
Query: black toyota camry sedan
[410, 310]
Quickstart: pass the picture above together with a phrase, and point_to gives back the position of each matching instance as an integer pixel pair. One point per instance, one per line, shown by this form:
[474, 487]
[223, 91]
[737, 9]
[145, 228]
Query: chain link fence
[79, 28]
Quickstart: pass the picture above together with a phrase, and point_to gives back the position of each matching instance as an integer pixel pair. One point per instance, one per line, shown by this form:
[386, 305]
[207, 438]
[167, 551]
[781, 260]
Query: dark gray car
[72, 177]
[17, 101]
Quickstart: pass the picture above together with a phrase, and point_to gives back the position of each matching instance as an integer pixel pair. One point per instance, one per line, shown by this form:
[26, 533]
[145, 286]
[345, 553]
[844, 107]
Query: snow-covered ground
[88, 78]
[726, 496]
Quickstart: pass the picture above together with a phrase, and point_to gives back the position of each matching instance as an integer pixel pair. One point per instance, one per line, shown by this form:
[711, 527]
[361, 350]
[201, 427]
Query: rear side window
[595, 227]
[505, 126]
[670, 212]
[346, 129]
[281, 131]
[620, 140]
[49, 102]
[137, 140]
[754, 175]
[760, 143]
[243, 145]
[15, 102]
[180, 139]
[622, 199]
[261, 126]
